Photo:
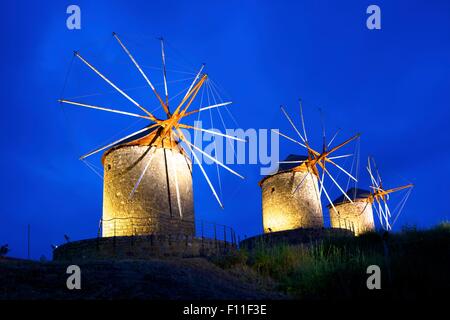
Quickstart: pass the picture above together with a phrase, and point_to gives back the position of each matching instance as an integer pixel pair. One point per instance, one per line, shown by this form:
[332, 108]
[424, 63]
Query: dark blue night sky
[392, 85]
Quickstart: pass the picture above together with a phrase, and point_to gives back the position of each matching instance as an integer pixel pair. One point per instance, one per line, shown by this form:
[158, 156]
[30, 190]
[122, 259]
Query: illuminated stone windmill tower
[148, 174]
[291, 198]
[287, 207]
[358, 215]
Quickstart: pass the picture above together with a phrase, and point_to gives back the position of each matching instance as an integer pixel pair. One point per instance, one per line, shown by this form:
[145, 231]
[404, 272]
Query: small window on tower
[108, 167]
[273, 189]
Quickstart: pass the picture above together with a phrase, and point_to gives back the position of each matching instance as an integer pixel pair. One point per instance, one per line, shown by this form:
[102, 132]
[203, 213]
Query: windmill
[356, 216]
[379, 197]
[291, 197]
[148, 170]
[316, 162]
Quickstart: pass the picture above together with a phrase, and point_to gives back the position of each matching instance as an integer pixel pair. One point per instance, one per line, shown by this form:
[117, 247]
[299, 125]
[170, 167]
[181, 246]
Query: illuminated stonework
[153, 208]
[357, 216]
[285, 210]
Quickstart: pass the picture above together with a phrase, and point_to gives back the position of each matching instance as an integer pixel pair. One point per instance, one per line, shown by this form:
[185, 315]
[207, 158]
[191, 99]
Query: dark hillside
[194, 278]
[414, 264]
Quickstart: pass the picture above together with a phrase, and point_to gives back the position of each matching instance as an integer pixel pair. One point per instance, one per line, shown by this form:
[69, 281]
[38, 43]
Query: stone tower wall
[283, 210]
[357, 215]
[149, 210]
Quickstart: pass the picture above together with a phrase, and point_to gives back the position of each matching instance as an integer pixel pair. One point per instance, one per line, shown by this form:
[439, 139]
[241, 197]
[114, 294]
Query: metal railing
[216, 232]
[314, 222]
[346, 224]
[202, 229]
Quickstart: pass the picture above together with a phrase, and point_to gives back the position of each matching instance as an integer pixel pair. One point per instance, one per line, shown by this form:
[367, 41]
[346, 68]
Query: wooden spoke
[386, 209]
[195, 80]
[344, 143]
[328, 197]
[177, 187]
[185, 126]
[142, 73]
[321, 182]
[322, 124]
[163, 56]
[103, 109]
[380, 183]
[117, 141]
[289, 138]
[385, 192]
[380, 218]
[208, 107]
[193, 94]
[299, 161]
[372, 178]
[300, 184]
[214, 159]
[115, 87]
[384, 220]
[292, 124]
[303, 120]
[385, 216]
[335, 182]
[190, 92]
[151, 153]
[340, 168]
[334, 137]
[401, 205]
[340, 157]
[180, 134]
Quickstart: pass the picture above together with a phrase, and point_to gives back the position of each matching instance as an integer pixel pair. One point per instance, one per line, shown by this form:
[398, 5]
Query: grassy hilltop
[414, 264]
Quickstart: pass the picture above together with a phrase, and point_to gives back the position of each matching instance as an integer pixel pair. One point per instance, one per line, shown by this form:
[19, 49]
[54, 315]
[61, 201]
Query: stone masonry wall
[359, 213]
[153, 208]
[283, 210]
[140, 247]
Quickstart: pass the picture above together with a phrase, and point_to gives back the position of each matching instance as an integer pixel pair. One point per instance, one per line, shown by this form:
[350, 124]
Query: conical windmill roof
[354, 194]
[286, 167]
[147, 139]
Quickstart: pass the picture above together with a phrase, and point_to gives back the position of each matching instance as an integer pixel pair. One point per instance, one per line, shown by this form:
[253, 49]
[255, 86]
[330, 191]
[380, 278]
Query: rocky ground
[176, 279]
